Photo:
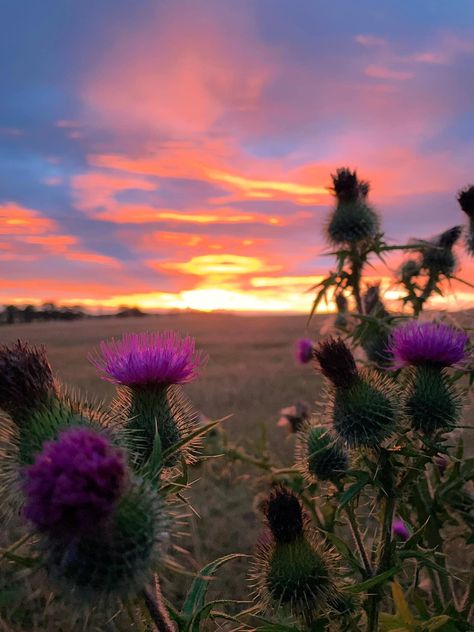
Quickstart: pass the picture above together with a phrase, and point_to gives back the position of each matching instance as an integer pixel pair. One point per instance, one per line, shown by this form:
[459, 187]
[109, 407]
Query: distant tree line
[49, 311]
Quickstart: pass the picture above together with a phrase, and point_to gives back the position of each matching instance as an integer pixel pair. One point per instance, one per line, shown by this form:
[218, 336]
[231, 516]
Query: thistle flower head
[429, 343]
[373, 303]
[304, 350]
[400, 529]
[466, 200]
[320, 454]
[449, 237]
[74, 484]
[337, 362]
[26, 379]
[149, 359]
[284, 514]
[439, 257]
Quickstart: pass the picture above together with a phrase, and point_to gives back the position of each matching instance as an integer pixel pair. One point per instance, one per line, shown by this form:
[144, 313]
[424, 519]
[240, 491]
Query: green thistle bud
[115, 562]
[362, 404]
[164, 411]
[291, 569]
[352, 222]
[439, 258]
[320, 454]
[431, 403]
[410, 269]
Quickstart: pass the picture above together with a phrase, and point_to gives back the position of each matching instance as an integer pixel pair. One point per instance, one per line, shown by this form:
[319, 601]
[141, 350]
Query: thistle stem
[157, 609]
[385, 546]
[358, 539]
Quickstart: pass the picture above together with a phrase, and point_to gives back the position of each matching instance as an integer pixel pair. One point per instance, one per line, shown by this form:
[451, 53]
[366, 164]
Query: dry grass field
[251, 375]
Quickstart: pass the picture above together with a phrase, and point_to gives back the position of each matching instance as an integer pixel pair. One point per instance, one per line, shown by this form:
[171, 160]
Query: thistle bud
[431, 402]
[466, 201]
[294, 417]
[410, 269]
[291, 569]
[149, 369]
[337, 362]
[352, 220]
[320, 454]
[362, 404]
[439, 257]
[26, 380]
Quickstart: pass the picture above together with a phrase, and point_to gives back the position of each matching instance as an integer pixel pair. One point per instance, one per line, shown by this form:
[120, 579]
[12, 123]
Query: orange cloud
[18, 220]
[216, 265]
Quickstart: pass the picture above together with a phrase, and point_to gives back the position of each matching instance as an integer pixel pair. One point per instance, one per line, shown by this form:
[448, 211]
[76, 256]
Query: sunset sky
[173, 153]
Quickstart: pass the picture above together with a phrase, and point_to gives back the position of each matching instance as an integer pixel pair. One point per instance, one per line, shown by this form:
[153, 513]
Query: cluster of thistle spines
[118, 558]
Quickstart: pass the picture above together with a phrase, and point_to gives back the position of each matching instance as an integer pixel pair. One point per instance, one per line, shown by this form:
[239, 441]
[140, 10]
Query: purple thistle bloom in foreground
[149, 358]
[74, 484]
[400, 529]
[437, 344]
[304, 350]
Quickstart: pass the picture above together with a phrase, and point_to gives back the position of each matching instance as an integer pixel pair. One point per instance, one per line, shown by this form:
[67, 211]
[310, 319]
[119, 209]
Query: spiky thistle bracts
[437, 256]
[430, 401]
[26, 380]
[292, 569]
[139, 360]
[319, 454]
[163, 414]
[466, 200]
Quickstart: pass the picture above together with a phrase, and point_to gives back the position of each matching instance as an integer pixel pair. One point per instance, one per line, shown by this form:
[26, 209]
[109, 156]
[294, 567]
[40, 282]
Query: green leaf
[176, 447]
[436, 623]
[207, 612]
[373, 581]
[363, 478]
[390, 623]
[401, 605]
[197, 593]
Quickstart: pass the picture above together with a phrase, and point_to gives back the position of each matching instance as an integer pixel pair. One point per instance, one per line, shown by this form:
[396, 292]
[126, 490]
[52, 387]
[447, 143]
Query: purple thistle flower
[74, 484]
[304, 350]
[149, 358]
[428, 343]
[400, 529]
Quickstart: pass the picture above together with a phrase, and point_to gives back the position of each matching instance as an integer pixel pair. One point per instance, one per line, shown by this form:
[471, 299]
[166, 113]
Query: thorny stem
[157, 609]
[356, 265]
[385, 547]
[358, 539]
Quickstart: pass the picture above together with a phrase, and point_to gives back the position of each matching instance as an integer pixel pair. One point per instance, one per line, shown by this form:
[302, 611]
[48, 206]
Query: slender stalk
[358, 539]
[356, 273]
[157, 609]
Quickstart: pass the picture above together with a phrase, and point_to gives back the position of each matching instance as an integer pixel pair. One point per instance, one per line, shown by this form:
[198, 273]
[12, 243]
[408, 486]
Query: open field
[250, 374]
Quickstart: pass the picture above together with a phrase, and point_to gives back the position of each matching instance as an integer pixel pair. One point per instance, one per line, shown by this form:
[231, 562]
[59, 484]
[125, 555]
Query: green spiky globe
[321, 455]
[431, 403]
[352, 222]
[149, 411]
[439, 260]
[296, 576]
[46, 423]
[366, 413]
[115, 562]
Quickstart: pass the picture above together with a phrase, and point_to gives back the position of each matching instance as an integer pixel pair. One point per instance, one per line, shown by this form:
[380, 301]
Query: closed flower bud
[431, 402]
[410, 269]
[352, 220]
[337, 362]
[439, 258]
[291, 570]
[320, 455]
